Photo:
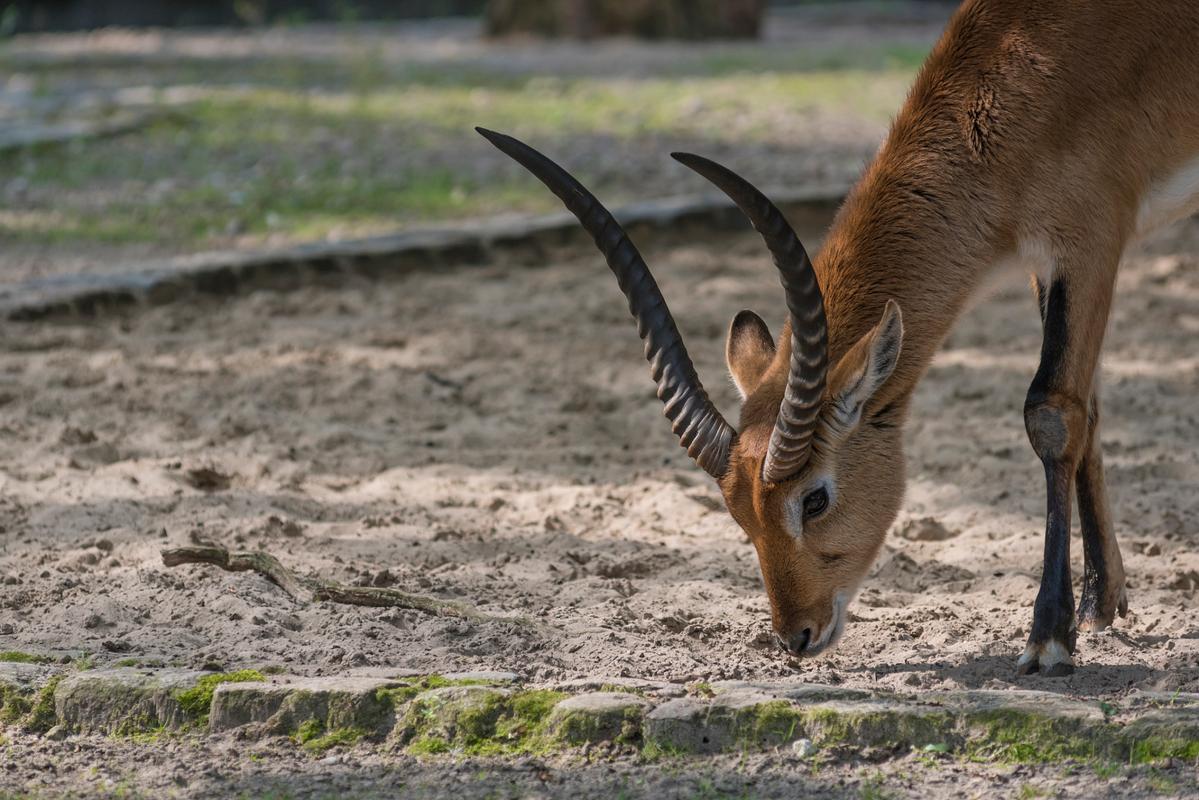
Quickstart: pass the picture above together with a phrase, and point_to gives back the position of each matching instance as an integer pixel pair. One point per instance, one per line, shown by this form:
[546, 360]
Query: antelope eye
[815, 502]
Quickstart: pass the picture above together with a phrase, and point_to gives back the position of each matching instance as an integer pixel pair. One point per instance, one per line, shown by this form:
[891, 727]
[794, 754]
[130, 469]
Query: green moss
[1157, 748]
[42, 715]
[146, 732]
[16, 656]
[14, 704]
[438, 681]
[771, 724]
[429, 746]
[575, 727]
[487, 723]
[701, 689]
[34, 711]
[1025, 738]
[196, 702]
[400, 695]
[882, 727]
[308, 731]
[522, 725]
[342, 737]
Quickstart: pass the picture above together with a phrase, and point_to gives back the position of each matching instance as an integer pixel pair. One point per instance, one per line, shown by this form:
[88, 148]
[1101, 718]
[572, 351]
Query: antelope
[1046, 136]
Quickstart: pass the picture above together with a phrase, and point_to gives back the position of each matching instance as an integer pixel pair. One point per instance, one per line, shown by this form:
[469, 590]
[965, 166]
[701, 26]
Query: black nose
[797, 643]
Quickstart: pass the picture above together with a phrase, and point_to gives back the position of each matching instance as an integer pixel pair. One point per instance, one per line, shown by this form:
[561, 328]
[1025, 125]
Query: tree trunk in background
[649, 19]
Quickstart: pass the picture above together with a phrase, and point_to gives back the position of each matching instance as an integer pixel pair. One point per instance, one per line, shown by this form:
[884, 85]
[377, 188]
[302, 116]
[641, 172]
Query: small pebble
[804, 748]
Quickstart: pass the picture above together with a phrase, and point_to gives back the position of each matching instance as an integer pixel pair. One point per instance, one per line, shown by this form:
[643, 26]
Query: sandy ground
[491, 435]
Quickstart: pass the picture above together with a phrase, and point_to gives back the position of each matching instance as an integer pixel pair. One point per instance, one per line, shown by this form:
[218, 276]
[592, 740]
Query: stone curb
[525, 240]
[493, 714]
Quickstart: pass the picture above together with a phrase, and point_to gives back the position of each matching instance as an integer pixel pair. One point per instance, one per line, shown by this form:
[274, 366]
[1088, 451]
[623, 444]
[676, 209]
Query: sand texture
[490, 435]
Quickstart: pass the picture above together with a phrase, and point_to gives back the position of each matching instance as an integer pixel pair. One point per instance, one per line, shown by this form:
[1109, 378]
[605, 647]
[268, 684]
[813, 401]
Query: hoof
[1051, 659]
[1095, 616]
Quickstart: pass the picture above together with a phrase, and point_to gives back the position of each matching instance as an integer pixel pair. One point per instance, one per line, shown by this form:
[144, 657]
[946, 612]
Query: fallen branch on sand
[307, 590]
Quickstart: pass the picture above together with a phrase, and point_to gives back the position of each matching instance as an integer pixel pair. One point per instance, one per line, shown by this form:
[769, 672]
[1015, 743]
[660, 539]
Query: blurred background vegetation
[132, 128]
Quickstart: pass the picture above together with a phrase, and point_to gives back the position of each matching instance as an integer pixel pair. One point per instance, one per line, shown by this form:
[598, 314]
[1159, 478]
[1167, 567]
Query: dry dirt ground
[490, 434]
[277, 770]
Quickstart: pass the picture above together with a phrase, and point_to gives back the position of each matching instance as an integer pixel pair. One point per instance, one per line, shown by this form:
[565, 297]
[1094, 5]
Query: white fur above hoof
[1051, 659]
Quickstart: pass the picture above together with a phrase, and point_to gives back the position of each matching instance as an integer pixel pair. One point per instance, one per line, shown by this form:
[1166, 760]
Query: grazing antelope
[1043, 134]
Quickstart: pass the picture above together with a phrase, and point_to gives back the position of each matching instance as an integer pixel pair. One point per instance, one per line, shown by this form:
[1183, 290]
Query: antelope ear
[749, 351]
[864, 369]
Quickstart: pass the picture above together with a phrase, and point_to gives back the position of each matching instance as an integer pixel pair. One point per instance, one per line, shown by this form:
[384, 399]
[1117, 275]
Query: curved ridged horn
[791, 440]
[693, 418]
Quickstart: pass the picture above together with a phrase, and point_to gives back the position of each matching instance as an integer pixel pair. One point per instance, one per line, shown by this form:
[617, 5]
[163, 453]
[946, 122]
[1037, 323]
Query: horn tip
[487, 134]
[690, 159]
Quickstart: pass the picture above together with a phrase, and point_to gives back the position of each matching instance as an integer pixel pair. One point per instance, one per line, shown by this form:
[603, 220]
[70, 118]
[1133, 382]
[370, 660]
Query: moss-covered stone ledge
[131, 700]
[494, 714]
[307, 709]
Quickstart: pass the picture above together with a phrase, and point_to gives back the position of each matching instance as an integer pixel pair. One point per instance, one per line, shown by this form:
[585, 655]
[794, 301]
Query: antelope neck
[906, 234]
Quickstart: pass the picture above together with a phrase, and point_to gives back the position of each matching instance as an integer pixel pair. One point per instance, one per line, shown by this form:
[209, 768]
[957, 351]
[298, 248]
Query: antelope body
[1048, 135]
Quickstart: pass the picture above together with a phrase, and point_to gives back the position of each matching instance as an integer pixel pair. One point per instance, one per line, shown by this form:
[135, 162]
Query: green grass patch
[17, 657]
[1010, 736]
[660, 751]
[286, 154]
[1155, 749]
[196, 702]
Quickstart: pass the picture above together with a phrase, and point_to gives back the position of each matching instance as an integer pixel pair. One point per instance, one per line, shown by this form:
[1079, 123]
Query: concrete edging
[522, 240]
[495, 714]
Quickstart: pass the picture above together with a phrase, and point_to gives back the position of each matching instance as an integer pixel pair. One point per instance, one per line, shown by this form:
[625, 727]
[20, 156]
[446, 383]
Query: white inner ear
[885, 348]
[742, 392]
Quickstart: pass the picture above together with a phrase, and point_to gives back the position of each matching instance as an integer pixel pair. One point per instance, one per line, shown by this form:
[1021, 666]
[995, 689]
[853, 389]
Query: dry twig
[305, 590]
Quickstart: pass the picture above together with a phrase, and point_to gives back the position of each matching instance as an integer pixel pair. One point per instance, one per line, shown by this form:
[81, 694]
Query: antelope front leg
[1103, 591]
[1056, 415]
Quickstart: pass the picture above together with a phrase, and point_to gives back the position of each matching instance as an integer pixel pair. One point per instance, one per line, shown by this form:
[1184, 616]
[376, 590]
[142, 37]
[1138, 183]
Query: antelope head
[813, 473]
